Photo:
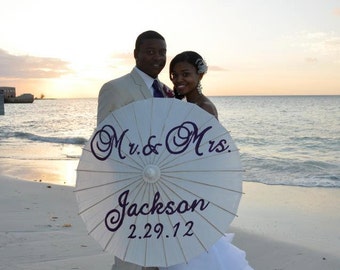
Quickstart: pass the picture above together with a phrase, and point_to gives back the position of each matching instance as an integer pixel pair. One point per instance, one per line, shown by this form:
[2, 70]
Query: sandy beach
[279, 227]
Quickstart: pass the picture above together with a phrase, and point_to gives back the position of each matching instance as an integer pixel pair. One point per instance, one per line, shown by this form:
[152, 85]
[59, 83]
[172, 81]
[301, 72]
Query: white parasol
[159, 182]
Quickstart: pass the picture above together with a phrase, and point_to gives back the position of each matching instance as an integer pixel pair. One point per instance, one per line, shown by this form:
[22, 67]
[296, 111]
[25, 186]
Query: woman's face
[185, 78]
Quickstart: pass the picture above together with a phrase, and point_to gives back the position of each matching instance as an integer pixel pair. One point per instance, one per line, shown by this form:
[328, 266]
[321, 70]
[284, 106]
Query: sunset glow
[68, 49]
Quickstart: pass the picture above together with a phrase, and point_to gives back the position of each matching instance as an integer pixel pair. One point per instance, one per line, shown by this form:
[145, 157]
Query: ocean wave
[49, 139]
[298, 183]
[30, 158]
[291, 171]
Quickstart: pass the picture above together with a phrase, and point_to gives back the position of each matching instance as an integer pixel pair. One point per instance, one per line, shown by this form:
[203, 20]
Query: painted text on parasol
[115, 218]
[177, 140]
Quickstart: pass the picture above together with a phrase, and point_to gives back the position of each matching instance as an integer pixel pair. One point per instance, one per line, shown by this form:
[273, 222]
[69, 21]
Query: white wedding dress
[221, 256]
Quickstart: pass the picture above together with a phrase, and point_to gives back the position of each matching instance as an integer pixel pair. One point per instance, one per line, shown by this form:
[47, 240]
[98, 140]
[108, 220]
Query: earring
[199, 88]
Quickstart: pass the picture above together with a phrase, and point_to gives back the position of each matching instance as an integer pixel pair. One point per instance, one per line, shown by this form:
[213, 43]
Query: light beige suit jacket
[112, 96]
[120, 92]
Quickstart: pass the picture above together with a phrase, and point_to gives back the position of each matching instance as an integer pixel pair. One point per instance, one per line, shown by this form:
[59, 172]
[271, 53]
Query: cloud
[320, 43]
[216, 68]
[333, 42]
[311, 59]
[26, 66]
[122, 56]
[336, 11]
[328, 45]
[122, 59]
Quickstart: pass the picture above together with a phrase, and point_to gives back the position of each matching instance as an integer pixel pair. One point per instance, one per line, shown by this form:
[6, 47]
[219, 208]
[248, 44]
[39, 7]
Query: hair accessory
[201, 66]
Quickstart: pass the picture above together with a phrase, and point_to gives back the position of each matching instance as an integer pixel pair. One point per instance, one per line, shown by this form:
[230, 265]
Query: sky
[70, 48]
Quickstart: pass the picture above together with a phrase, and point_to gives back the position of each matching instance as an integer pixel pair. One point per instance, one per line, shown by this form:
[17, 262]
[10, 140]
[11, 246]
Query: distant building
[8, 92]
[9, 95]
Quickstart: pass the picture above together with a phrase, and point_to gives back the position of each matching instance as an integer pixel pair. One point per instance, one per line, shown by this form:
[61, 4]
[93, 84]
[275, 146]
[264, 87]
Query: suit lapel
[140, 84]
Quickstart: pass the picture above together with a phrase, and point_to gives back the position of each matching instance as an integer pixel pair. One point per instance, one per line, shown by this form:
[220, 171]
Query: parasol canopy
[158, 182]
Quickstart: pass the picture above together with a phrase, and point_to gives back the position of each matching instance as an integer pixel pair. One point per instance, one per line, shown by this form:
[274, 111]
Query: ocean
[283, 140]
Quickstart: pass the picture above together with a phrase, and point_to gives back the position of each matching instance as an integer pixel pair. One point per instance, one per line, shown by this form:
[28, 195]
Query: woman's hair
[192, 58]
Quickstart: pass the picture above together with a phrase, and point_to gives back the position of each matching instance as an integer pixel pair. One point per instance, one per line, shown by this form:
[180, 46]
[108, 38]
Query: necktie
[156, 89]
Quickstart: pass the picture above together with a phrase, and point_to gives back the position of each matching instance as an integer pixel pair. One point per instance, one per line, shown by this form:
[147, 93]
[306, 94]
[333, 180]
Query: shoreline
[58, 172]
[279, 227]
[286, 227]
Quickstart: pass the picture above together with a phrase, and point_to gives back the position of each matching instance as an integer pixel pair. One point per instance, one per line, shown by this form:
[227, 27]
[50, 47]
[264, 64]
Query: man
[150, 56]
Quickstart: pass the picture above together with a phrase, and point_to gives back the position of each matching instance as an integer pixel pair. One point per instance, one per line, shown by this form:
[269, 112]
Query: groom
[150, 56]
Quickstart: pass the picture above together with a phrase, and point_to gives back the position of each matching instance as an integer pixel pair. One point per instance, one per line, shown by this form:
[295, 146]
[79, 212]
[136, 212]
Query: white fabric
[121, 265]
[146, 78]
[221, 256]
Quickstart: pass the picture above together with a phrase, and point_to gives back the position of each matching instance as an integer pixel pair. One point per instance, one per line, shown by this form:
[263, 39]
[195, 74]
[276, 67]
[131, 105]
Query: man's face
[151, 56]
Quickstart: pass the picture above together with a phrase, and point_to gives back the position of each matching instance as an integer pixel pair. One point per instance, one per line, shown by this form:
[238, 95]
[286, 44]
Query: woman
[186, 72]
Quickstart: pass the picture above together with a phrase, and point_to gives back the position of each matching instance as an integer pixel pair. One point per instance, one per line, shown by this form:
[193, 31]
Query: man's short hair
[147, 35]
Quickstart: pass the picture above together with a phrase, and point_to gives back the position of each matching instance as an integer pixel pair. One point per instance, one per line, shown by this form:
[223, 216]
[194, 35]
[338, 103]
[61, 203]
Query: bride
[186, 72]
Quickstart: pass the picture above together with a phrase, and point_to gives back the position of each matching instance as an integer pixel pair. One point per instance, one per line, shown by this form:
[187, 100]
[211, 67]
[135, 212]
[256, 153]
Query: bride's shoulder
[208, 106]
